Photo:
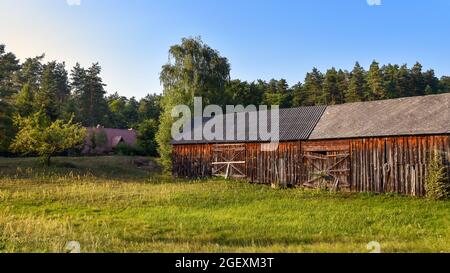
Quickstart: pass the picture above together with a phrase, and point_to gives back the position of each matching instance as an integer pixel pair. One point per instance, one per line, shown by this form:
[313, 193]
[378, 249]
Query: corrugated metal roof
[295, 124]
[406, 116]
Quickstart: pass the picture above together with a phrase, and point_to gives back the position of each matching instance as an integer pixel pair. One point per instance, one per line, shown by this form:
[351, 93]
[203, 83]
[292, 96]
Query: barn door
[327, 170]
[228, 160]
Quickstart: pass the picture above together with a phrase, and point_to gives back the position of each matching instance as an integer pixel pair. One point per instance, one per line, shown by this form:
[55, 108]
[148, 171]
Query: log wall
[380, 165]
[192, 161]
[395, 164]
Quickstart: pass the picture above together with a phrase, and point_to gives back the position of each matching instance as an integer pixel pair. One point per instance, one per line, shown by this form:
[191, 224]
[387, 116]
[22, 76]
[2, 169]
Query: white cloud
[73, 2]
[374, 2]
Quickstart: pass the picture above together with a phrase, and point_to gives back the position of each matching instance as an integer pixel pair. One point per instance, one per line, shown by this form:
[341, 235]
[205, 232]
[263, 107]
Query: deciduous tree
[39, 135]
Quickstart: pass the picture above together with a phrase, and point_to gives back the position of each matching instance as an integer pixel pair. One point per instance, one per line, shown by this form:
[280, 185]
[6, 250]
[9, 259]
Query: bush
[436, 184]
[128, 150]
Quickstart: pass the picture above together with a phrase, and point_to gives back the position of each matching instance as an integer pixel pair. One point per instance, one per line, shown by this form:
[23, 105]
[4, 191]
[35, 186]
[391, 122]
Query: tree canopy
[39, 135]
[193, 69]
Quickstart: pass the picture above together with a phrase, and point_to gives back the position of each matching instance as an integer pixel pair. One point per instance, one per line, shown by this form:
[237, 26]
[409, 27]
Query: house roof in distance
[423, 115]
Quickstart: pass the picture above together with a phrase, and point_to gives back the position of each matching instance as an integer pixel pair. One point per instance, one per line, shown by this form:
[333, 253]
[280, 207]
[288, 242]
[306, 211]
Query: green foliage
[436, 184]
[46, 98]
[312, 88]
[89, 95]
[9, 65]
[375, 86]
[331, 93]
[194, 69]
[146, 136]
[7, 129]
[97, 140]
[163, 136]
[357, 88]
[150, 107]
[116, 106]
[244, 93]
[124, 149]
[444, 84]
[277, 93]
[23, 101]
[39, 135]
[198, 70]
[123, 112]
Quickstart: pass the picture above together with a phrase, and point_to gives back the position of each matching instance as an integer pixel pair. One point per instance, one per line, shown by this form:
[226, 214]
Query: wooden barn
[381, 146]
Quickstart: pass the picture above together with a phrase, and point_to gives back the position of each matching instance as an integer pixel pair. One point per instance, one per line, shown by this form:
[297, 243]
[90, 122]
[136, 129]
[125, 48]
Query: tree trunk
[47, 161]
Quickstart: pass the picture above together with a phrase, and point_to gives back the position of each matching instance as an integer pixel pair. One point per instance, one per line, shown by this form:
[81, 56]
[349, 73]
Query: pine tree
[358, 85]
[62, 85]
[444, 84]
[23, 101]
[31, 74]
[418, 81]
[389, 73]
[89, 93]
[9, 65]
[428, 90]
[313, 87]
[431, 82]
[298, 95]
[46, 98]
[330, 93]
[343, 79]
[277, 93]
[375, 86]
[150, 107]
[404, 82]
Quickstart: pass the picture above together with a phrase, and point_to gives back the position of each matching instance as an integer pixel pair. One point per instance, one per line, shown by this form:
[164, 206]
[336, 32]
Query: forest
[194, 69]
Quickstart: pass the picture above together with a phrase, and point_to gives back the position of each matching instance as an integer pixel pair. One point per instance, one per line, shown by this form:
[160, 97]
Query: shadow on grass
[106, 167]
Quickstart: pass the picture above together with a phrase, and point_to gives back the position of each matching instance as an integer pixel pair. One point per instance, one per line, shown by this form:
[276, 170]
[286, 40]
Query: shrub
[436, 184]
[128, 150]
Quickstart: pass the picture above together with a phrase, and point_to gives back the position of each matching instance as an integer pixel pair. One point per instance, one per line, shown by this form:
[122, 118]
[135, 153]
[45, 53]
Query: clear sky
[261, 38]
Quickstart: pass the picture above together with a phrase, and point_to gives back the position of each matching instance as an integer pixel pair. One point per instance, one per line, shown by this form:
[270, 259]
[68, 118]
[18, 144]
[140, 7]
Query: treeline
[194, 69]
[34, 86]
[337, 86]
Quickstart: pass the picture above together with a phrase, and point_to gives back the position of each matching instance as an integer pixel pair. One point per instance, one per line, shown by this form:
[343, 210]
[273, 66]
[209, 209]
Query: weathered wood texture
[274, 166]
[395, 164]
[380, 165]
[192, 161]
[229, 160]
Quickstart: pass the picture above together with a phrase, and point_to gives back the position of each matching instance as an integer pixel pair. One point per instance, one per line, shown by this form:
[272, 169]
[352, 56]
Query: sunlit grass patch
[140, 211]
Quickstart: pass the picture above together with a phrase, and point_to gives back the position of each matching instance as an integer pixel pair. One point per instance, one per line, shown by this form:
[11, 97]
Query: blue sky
[261, 38]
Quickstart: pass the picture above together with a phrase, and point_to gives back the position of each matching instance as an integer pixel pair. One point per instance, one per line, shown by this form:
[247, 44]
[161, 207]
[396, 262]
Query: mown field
[109, 205]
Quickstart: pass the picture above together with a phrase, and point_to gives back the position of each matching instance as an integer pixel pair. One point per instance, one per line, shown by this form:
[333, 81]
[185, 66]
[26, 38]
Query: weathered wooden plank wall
[395, 164]
[191, 161]
[380, 165]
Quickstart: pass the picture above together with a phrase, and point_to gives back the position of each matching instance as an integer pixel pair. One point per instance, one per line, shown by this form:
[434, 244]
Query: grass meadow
[109, 205]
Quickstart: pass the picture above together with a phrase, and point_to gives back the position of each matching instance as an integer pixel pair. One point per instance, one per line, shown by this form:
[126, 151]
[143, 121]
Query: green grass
[109, 205]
